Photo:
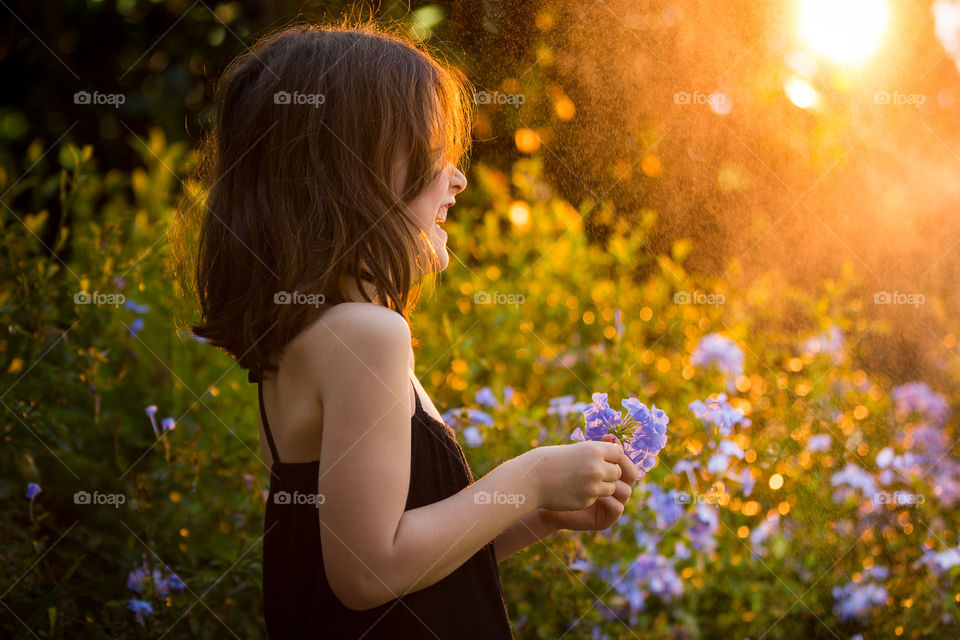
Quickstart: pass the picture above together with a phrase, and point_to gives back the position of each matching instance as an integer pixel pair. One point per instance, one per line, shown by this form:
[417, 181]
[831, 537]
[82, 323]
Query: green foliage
[527, 302]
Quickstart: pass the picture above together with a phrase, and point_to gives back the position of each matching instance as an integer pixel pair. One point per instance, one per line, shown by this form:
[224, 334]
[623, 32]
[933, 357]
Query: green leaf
[47, 600]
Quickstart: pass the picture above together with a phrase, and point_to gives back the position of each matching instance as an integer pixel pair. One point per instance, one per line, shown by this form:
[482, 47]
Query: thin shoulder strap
[416, 397]
[266, 425]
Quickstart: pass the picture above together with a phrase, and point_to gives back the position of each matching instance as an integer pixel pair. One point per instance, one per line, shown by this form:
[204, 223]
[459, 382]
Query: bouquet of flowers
[642, 430]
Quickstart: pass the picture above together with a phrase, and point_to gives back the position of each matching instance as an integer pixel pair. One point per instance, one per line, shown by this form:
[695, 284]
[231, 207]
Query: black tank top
[298, 601]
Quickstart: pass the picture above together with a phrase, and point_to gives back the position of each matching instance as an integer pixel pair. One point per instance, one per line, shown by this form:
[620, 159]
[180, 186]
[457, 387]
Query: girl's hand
[602, 514]
[569, 477]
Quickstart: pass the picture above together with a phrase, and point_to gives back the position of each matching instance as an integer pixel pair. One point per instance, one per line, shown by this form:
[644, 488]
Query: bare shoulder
[357, 324]
[353, 340]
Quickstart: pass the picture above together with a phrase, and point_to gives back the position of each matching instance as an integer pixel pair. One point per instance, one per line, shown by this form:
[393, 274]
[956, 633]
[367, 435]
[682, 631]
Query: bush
[811, 500]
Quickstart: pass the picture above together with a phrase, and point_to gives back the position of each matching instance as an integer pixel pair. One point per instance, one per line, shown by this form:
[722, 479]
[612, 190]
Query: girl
[331, 169]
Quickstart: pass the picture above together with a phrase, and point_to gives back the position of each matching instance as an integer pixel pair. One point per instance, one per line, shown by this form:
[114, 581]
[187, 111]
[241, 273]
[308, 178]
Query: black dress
[298, 601]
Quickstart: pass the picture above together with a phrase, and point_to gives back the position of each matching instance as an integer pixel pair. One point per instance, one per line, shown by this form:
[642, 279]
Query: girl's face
[430, 208]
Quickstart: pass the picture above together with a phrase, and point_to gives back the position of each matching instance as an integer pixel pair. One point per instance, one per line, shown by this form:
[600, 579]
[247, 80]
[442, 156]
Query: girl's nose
[458, 181]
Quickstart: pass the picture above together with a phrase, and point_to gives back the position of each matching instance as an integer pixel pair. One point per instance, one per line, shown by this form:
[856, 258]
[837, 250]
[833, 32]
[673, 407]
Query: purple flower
[643, 433]
[819, 442]
[761, 533]
[854, 477]
[137, 308]
[939, 562]
[717, 411]
[166, 581]
[168, 424]
[929, 439]
[136, 326]
[685, 466]
[666, 506]
[722, 352]
[600, 418]
[563, 406]
[877, 572]
[176, 584]
[720, 461]
[618, 322]
[136, 578]
[475, 415]
[455, 417]
[650, 574]
[650, 435]
[484, 397]
[704, 528]
[581, 564]
[747, 482]
[854, 600]
[946, 481]
[918, 397]
[885, 457]
[141, 609]
[830, 343]
[473, 436]
[32, 490]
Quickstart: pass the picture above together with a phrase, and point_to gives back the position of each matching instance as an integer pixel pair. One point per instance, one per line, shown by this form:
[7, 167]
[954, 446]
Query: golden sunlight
[846, 31]
[801, 93]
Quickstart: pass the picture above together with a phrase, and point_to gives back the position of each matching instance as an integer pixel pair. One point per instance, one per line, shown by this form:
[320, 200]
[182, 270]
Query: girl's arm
[373, 549]
[532, 528]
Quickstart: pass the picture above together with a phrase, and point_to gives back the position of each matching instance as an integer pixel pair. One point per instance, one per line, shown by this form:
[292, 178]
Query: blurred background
[781, 137]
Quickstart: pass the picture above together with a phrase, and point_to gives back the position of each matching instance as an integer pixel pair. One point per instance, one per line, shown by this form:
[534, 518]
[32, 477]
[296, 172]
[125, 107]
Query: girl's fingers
[628, 470]
[613, 505]
[631, 474]
[614, 472]
[622, 492]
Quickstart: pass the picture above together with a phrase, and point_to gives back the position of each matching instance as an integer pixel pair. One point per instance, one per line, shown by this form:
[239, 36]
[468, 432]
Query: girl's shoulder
[356, 318]
[355, 327]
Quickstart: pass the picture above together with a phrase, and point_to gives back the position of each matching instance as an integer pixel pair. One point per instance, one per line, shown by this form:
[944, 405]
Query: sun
[846, 31]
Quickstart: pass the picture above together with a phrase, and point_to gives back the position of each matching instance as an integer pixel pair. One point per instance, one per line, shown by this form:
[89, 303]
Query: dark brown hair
[299, 186]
